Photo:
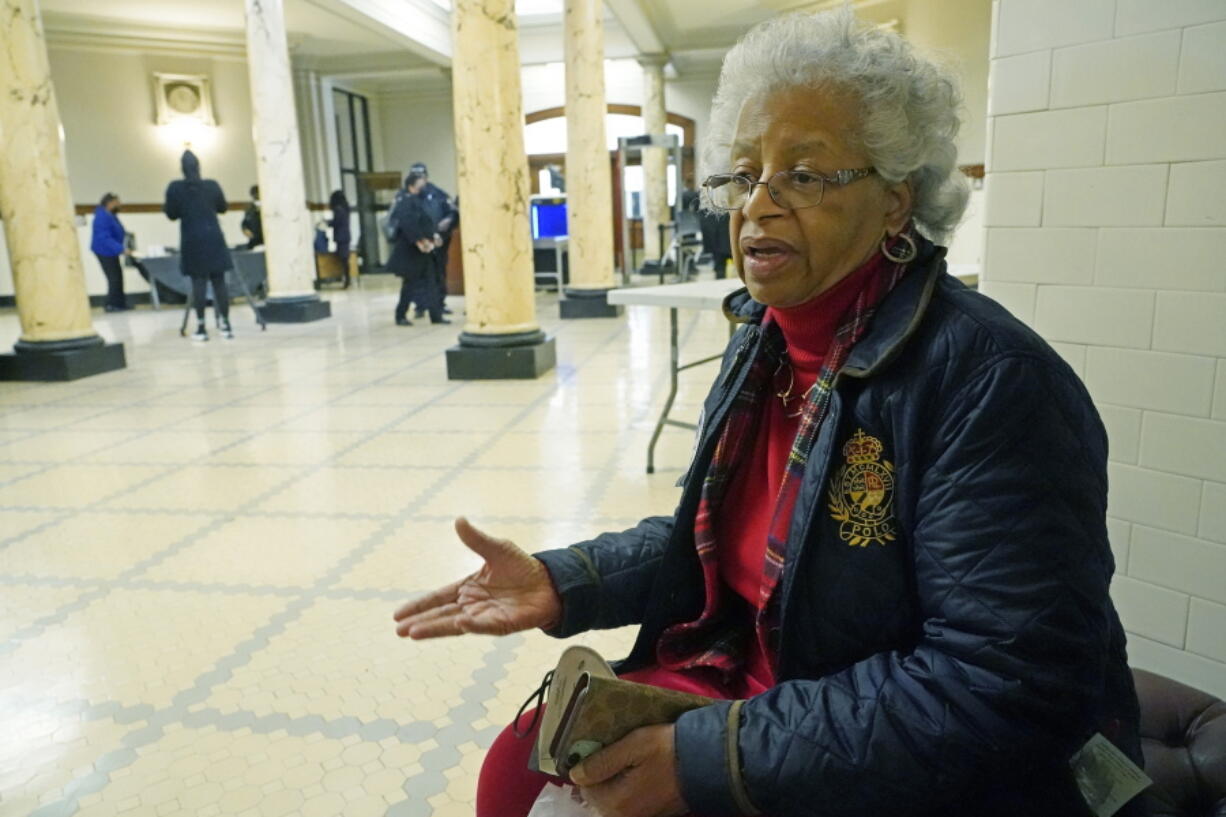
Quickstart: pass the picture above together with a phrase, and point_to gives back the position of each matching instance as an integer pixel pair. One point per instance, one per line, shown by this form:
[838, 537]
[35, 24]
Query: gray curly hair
[909, 105]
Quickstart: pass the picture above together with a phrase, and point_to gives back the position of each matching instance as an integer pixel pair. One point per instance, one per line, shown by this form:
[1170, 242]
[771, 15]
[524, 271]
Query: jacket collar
[896, 320]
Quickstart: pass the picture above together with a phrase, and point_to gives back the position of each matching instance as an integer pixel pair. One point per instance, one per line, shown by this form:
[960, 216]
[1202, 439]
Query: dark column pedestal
[521, 356]
[303, 309]
[61, 359]
[588, 303]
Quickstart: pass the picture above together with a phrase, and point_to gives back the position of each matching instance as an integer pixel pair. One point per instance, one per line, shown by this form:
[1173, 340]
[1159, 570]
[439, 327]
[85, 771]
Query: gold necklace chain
[786, 396]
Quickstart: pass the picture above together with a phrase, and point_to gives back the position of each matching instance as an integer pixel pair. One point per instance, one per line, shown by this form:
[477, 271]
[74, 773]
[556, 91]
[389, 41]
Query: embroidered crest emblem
[862, 493]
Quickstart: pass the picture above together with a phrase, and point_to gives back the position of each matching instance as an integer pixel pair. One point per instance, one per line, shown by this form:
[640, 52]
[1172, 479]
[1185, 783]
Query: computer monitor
[548, 218]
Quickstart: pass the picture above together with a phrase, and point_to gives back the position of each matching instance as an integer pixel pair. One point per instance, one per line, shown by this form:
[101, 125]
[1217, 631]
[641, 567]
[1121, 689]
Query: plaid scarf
[720, 638]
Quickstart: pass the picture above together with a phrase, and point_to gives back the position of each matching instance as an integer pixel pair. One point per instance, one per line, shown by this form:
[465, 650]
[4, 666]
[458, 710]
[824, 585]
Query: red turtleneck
[744, 516]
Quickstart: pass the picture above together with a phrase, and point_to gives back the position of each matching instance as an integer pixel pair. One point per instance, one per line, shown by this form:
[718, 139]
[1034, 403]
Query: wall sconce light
[187, 132]
[184, 105]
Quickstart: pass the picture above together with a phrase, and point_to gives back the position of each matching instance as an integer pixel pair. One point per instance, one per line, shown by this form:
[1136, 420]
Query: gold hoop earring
[908, 253]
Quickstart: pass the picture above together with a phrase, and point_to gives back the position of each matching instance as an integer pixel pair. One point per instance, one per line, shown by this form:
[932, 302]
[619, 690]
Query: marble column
[501, 337]
[58, 341]
[589, 179]
[655, 159]
[289, 252]
[308, 98]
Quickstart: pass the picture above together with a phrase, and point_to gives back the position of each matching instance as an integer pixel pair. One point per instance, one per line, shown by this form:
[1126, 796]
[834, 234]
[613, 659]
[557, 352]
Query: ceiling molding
[420, 83]
[378, 62]
[410, 95]
[699, 63]
[103, 34]
[540, 45]
[637, 25]
[821, 5]
[419, 25]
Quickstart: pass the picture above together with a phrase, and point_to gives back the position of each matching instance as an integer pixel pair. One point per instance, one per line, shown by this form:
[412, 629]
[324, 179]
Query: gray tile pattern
[187, 707]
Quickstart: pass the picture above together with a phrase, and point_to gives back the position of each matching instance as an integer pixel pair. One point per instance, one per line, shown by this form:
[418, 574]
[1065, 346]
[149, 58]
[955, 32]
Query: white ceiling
[338, 38]
[315, 30]
[685, 25]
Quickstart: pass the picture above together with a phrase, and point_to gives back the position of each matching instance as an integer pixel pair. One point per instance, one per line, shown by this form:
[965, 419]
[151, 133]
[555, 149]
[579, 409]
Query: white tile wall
[1105, 196]
[1123, 430]
[1150, 130]
[1036, 141]
[1179, 563]
[1185, 445]
[1187, 667]
[1119, 532]
[1019, 84]
[1151, 611]
[1041, 256]
[1105, 71]
[1167, 501]
[1219, 392]
[1213, 513]
[1028, 25]
[1017, 298]
[1095, 315]
[1207, 629]
[1193, 322]
[1182, 384]
[1202, 65]
[1135, 16]
[1074, 355]
[1197, 194]
[1107, 123]
[1013, 200]
[1168, 258]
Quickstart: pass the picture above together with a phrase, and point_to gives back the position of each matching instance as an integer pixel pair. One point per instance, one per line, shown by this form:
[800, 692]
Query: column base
[303, 309]
[62, 360]
[523, 356]
[588, 303]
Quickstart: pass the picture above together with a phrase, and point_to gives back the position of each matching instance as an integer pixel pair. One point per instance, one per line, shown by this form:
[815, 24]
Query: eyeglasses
[790, 189]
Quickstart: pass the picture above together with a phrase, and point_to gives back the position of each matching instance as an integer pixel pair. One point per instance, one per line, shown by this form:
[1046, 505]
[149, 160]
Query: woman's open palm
[511, 592]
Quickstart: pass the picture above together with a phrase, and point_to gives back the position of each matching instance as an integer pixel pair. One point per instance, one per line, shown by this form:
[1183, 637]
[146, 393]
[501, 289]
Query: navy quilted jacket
[952, 669]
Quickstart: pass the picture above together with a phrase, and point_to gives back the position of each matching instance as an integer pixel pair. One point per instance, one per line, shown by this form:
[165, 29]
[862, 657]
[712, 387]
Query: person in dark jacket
[445, 214]
[341, 234]
[890, 562]
[413, 246]
[107, 244]
[203, 255]
[715, 241]
[253, 220]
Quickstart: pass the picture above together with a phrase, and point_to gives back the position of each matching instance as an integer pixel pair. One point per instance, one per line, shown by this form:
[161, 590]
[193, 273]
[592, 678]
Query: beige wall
[112, 144]
[111, 141]
[1106, 223]
[419, 129]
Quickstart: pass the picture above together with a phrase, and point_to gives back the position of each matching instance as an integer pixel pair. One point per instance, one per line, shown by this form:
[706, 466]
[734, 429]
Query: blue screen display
[548, 219]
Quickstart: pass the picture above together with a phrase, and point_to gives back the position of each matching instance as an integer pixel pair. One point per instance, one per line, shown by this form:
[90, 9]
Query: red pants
[507, 787]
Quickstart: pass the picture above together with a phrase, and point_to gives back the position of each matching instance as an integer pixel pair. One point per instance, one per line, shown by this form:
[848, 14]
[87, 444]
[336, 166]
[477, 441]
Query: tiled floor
[199, 555]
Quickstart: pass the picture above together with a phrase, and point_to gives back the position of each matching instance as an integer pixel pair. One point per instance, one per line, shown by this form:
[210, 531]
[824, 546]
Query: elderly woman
[890, 556]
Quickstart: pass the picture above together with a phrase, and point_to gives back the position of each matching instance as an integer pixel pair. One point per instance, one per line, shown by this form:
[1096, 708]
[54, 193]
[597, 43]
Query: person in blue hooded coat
[203, 255]
[107, 244]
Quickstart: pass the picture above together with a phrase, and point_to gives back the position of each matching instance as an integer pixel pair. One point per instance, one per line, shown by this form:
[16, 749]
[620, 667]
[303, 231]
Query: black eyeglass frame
[839, 178]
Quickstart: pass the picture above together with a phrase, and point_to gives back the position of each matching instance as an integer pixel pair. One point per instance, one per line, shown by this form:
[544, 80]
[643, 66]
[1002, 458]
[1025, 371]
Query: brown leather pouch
[590, 708]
